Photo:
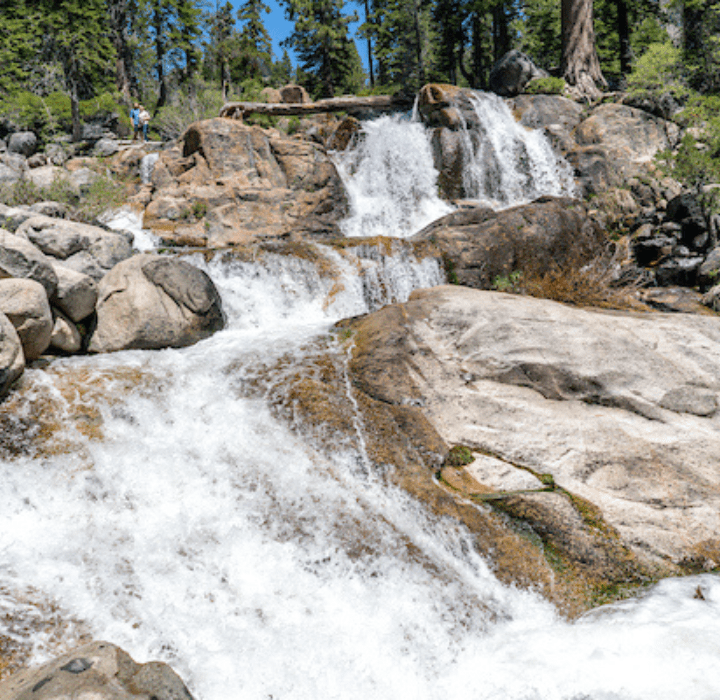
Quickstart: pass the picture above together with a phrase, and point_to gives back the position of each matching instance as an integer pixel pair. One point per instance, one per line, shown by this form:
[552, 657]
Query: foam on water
[509, 164]
[390, 180]
[203, 531]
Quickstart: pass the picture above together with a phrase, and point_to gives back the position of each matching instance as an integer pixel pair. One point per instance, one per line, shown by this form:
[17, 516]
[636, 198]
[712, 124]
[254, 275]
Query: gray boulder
[37, 160]
[12, 217]
[105, 147]
[56, 154]
[25, 303]
[97, 671]
[65, 334]
[152, 302]
[709, 272]
[55, 209]
[64, 239]
[8, 175]
[12, 359]
[512, 73]
[479, 244]
[76, 293]
[47, 175]
[20, 258]
[23, 142]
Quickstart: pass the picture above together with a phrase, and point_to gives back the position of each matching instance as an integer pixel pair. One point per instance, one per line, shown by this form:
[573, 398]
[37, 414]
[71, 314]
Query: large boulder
[228, 183]
[512, 73]
[596, 433]
[25, 303]
[20, 258]
[480, 245]
[23, 142]
[76, 293]
[100, 671]
[557, 116]
[615, 142]
[151, 302]
[64, 240]
[12, 360]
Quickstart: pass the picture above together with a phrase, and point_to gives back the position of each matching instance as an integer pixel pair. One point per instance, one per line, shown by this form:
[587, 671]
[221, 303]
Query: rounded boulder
[153, 302]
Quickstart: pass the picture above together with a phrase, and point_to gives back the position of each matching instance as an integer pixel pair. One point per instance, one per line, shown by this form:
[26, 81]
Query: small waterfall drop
[508, 164]
[390, 180]
[146, 167]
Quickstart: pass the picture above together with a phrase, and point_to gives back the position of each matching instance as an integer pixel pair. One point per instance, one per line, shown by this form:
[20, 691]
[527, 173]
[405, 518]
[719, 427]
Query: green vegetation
[102, 194]
[459, 456]
[546, 86]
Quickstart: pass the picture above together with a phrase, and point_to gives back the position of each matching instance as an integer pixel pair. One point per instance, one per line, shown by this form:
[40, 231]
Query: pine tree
[184, 35]
[223, 44]
[22, 40]
[254, 41]
[321, 41]
[402, 35]
[77, 36]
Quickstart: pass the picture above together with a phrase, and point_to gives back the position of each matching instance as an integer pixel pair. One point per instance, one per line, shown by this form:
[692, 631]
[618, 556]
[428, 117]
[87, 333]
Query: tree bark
[119, 19]
[623, 28]
[580, 64]
[501, 35]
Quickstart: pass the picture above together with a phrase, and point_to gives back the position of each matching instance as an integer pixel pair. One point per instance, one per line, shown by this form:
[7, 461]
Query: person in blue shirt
[135, 119]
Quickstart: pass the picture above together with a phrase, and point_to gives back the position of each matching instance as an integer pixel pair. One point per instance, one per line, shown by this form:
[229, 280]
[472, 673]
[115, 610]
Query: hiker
[135, 119]
[144, 119]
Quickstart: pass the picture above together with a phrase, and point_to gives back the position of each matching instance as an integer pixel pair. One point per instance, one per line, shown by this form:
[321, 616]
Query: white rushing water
[509, 164]
[201, 530]
[390, 180]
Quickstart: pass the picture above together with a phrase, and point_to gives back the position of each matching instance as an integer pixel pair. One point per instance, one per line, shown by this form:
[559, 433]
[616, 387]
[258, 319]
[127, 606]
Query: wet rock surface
[98, 670]
[596, 432]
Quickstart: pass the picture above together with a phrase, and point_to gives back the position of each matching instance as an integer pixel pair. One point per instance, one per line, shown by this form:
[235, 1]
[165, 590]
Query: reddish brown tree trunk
[580, 64]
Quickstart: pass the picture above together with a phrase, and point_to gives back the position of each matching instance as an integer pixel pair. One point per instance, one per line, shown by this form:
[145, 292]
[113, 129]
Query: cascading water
[171, 512]
[390, 180]
[508, 164]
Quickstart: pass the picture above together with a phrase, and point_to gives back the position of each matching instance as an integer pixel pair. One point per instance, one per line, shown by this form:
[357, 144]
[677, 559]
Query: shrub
[185, 108]
[576, 283]
[545, 86]
[659, 69]
[103, 194]
[696, 160]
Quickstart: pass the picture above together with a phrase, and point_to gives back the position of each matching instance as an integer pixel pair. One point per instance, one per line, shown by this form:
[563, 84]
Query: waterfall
[390, 180]
[508, 164]
[147, 164]
[168, 508]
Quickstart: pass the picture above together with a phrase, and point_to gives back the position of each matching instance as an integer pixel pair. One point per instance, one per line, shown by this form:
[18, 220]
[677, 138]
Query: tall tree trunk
[369, 47]
[159, 27]
[74, 107]
[501, 35]
[118, 20]
[580, 64]
[623, 28]
[418, 41]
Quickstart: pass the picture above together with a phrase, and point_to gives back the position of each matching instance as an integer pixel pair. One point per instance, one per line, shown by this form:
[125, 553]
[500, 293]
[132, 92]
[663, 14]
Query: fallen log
[351, 104]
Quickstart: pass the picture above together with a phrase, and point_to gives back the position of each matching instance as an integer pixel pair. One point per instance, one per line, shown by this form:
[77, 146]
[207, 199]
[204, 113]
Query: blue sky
[279, 28]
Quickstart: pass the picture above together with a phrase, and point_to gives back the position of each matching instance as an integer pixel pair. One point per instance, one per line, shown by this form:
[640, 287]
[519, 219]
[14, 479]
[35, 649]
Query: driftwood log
[352, 104]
